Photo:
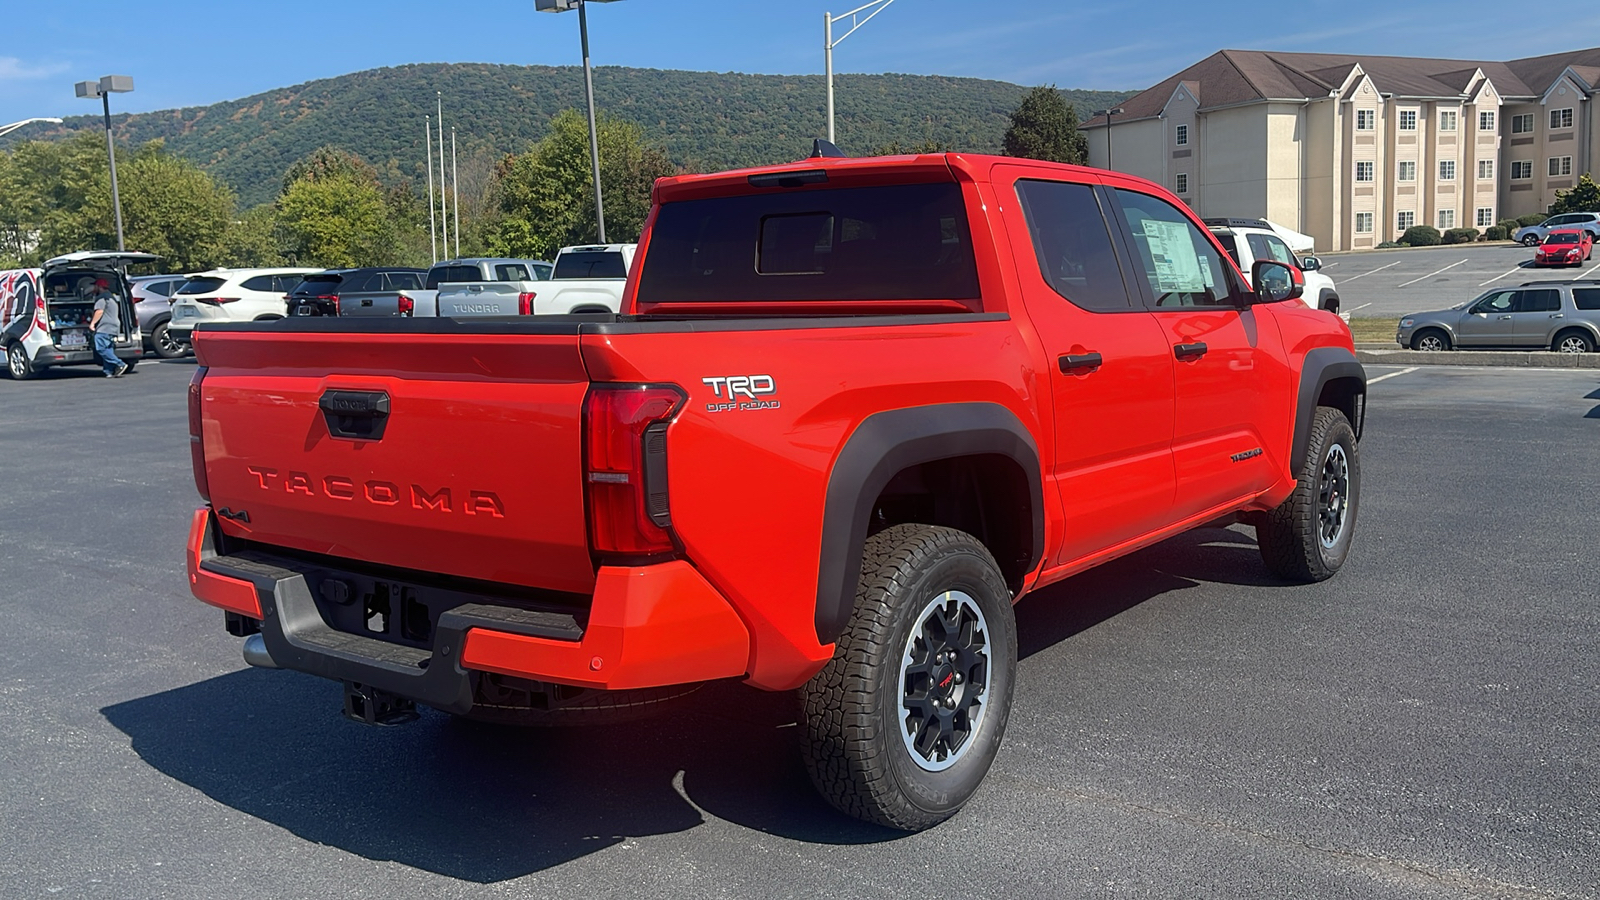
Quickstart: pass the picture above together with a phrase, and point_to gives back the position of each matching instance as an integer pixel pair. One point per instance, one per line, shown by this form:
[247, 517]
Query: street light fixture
[1108, 113]
[828, 43]
[7, 129]
[557, 6]
[103, 89]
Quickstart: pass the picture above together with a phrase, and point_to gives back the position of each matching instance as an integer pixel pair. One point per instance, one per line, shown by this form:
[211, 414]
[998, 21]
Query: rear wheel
[1430, 340]
[18, 365]
[166, 345]
[905, 720]
[1307, 538]
[1573, 342]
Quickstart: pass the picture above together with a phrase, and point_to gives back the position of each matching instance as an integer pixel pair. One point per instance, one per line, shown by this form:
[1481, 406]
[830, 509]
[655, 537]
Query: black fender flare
[1321, 367]
[1324, 295]
[881, 446]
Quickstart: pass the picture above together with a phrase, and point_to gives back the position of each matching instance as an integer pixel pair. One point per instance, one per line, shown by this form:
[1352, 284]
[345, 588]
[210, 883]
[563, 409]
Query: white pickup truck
[587, 278]
[523, 274]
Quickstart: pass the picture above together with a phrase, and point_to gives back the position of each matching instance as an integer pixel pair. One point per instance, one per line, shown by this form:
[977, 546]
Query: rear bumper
[49, 356]
[647, 626]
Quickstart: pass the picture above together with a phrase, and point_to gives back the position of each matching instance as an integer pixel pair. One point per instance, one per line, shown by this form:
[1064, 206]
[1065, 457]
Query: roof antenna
[821, 149]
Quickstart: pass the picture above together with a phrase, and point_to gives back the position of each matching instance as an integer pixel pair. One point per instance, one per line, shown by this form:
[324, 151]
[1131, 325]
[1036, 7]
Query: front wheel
[905, 720]
[1531, 240]
[1431, 340]
[18, 364]
[1307, 538]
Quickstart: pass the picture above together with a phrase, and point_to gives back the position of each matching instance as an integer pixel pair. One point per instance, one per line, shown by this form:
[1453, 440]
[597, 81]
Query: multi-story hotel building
[1352, 150]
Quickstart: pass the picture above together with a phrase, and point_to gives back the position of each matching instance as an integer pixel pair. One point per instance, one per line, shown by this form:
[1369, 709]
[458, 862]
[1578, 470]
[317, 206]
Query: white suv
[1248, 240]
[232, 295]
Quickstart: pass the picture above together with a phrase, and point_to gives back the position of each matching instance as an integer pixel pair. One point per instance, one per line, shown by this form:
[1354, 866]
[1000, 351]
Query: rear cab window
[852, 244]
[439, 274]
[591, 264]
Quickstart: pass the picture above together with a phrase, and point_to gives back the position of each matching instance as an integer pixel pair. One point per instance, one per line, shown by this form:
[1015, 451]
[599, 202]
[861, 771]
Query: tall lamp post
[102, 90]
[7, 129]
[828, 42]
[557, 6]
[1108, 113]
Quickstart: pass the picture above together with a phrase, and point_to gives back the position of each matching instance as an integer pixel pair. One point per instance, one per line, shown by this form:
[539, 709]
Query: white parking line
[1330, 265]
[1498, 277]
[1582, 274]
[1392, 374]
[1362, 306]
[1378, 269]
[1430, 274]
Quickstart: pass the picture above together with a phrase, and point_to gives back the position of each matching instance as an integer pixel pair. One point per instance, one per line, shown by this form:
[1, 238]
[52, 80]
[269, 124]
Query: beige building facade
[1352, 150]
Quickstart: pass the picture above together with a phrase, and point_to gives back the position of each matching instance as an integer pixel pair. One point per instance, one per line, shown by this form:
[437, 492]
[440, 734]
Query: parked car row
[1536, 315]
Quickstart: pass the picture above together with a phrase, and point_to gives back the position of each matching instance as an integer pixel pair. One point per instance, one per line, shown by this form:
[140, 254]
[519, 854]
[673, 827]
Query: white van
[45, 312]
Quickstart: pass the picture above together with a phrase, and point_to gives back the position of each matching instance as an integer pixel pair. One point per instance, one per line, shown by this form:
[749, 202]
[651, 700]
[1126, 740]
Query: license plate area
[72, 340]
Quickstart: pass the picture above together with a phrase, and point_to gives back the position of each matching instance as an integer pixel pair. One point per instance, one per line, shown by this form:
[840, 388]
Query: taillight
[406, 305]
[525, 303]
[625, 430]
[214, 301]
[197, 449]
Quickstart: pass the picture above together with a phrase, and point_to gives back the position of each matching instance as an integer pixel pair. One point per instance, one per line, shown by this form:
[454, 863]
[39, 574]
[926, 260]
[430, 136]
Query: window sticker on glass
[1177, 264]
[1205, 271]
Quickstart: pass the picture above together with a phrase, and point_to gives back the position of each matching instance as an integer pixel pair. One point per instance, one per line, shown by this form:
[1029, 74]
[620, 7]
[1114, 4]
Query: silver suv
[1534, 235]
[1558, 315]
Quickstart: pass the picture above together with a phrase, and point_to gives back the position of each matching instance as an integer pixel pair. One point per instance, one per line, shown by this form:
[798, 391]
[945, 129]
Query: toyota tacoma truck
[852, 410]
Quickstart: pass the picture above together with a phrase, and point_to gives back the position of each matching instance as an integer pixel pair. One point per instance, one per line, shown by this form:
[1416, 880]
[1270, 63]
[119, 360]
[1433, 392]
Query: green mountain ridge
[705, 121]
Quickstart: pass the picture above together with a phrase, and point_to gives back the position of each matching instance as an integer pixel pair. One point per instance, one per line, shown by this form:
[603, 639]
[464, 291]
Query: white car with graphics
[45, 312]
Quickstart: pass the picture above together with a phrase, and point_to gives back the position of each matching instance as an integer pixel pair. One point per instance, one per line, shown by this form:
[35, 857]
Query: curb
[1536, 359]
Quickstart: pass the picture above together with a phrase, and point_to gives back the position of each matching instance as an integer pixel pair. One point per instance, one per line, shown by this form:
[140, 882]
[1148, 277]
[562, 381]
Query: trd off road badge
[741, 392]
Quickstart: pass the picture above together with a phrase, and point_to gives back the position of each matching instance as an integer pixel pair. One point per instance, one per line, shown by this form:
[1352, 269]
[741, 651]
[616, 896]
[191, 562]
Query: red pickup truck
[851, 412]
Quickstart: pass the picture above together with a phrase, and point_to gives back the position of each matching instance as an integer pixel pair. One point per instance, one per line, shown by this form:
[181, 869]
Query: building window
[1561, 118]
[1447, 120]
[1363, 223]
[1485, 216]
[1447, 219]
[1183, 135]
[1485, 170]
[1406, 171]
[1486, 121]
[1404, 219]
[1560, 165]
[1363, 171]
[1365, 119]
[1447, 170]
[1521, 169]
[1522, 124]
[1408, 120]
[1183, 182]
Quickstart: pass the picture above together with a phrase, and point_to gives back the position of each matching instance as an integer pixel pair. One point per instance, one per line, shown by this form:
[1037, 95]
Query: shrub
[1389, 245]
[1496, 233]
[1460, 235]
[1510, 225]
[1420, 236]
[1531, 219]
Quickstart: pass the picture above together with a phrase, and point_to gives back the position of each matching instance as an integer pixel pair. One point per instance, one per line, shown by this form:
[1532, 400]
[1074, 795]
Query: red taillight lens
[197, 448]
[525, 303]
[215, 301]
[625, 429]
[406, 305]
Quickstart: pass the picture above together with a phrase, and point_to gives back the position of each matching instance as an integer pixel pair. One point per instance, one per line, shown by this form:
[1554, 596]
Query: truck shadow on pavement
[486, 804]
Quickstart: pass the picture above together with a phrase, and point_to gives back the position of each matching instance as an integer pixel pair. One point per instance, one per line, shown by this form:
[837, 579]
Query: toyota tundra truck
[851, 411]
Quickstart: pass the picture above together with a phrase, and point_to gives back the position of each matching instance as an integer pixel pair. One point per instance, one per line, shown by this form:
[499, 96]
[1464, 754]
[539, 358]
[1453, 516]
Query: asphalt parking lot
[1392, 283]
[1423, 725]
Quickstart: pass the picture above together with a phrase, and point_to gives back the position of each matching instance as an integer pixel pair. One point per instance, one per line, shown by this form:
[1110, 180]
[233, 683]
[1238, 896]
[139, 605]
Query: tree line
[335, 209]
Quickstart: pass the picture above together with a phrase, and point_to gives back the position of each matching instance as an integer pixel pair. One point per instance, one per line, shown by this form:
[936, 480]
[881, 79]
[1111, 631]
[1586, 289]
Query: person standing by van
[106, 323]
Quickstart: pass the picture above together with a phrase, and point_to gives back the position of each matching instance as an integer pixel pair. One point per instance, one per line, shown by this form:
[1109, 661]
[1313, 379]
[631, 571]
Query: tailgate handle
[357, 415]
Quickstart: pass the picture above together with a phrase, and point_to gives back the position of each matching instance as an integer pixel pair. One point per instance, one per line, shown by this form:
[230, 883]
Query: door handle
[1079, 362]
[1558, 316]
[1190, 351]
[1505, 318]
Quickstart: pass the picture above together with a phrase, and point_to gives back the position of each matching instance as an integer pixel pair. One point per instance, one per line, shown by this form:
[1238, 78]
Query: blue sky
[184, 52]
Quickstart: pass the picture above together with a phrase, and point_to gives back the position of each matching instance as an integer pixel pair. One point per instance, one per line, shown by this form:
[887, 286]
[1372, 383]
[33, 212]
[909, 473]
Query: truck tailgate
[477, 469]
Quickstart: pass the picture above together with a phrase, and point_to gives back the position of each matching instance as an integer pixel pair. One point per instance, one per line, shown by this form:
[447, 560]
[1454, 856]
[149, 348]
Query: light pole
[7, 129]
[1108, 113]
[103, 89]
[828, 43]
[588, 89]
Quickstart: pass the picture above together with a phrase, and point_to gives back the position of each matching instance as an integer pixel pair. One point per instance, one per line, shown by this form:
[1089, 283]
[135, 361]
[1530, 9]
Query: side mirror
[1310, 264]
[1276, 282]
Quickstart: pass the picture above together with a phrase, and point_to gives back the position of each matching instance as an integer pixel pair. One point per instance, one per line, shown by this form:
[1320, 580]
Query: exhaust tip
[255, 653]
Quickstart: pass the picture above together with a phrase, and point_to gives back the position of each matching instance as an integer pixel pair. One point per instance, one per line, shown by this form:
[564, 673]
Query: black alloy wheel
[166, 345]
[944, 676]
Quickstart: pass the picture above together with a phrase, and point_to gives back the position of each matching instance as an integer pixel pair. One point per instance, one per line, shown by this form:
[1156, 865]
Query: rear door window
[511, 272]
[1540, 301]
[1182, 266]
[258, 283]
[890, 242]
[1072, 244]
[402, 281]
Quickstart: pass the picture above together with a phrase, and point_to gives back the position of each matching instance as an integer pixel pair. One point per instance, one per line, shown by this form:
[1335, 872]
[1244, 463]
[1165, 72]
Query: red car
[852, 411]
[1567, 247]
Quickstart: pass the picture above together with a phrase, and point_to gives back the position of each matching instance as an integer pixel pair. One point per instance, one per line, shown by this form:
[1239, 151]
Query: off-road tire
[853, 716]
[1291, 536]
[18, 365]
